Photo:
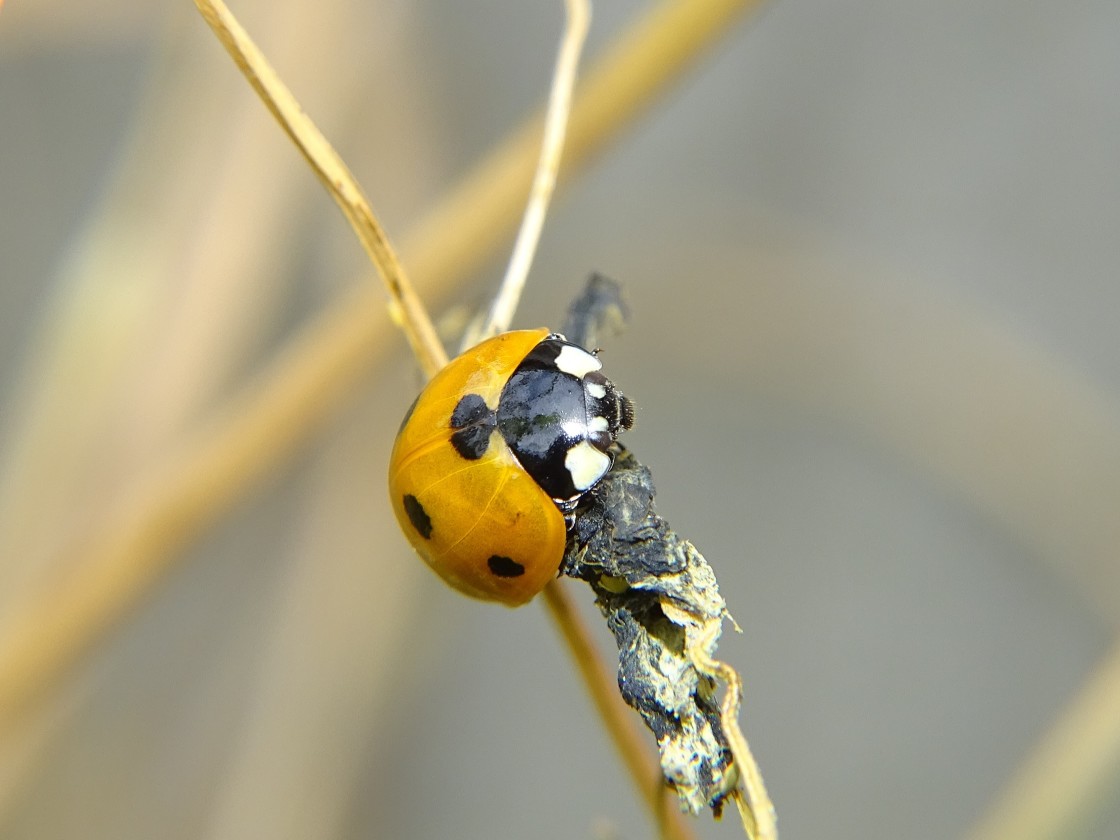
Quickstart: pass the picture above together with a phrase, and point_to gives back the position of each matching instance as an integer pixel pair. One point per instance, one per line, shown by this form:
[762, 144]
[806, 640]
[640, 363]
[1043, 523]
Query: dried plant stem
[544, 181]
[753, 802]
[120, 563]
[210, 471]
[616, 717]
[335, 176]
[479, 214]
[1073, 771]
[755, 808]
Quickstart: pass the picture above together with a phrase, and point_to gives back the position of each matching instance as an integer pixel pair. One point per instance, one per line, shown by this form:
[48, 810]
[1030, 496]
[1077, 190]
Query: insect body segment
[493, 457]
[559, 415]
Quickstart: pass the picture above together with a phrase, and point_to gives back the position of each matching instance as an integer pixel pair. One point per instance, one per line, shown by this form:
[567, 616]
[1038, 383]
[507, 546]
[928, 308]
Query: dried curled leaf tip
[667, 619]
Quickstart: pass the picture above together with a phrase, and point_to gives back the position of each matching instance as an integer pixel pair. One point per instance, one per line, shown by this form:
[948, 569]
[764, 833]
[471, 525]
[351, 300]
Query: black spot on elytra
[418, 516]
[474, 421]
[471, 409]
[505, 567]
[472, 442]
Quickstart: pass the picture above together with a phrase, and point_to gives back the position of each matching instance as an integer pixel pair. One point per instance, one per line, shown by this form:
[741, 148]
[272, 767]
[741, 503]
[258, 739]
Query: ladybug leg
[568, 508]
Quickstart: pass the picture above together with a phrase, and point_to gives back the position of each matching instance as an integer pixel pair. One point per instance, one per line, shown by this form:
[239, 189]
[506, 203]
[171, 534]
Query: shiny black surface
[543, 412]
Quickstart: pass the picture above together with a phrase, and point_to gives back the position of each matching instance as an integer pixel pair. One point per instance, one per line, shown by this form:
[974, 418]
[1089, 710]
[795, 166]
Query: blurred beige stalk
[176, 282]
[168, 291]
[1072, 773]
[55, 23]
[339, 642]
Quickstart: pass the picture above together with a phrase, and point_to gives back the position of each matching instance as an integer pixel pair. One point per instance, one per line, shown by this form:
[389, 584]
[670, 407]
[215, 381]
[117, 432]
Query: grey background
[871, 253]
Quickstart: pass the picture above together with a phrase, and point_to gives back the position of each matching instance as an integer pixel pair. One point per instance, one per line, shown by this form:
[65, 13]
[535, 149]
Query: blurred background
[871, 252]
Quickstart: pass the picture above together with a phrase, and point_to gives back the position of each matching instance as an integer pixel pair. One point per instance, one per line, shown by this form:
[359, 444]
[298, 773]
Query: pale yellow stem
[1071, 773]
[548, 167]
[617, 718]
[335, 176]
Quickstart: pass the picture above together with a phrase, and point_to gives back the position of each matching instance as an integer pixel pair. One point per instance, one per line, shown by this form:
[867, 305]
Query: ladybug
[493, 457]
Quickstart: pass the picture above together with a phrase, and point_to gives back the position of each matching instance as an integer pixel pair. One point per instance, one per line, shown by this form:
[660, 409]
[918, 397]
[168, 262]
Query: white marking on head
[596, 390]
[586, 464]
[598, 424]
[574, 428]
[576, 362]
